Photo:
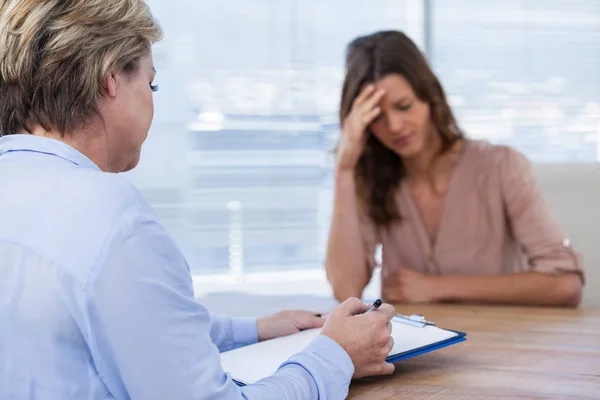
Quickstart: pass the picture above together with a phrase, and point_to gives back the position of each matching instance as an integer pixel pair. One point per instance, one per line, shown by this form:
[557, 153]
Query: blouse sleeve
[536, 230]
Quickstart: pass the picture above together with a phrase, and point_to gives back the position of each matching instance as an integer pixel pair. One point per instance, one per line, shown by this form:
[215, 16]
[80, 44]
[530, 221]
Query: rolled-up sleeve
[539, 234]
[150, 338]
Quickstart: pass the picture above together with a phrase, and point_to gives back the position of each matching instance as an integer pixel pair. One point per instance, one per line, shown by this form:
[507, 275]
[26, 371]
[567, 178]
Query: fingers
[366, 103]
[373, 100]
[387, 310]
[371, 115]
[363, 95]
[353, 306]
[381, 319]
[389, 345]
[388, 328]
[312, 321]
[387, 368]
[305, 319]
[380, 368]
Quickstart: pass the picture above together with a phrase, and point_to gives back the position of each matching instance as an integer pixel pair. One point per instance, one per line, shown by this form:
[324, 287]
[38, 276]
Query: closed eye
[154, 88]
[403, 107]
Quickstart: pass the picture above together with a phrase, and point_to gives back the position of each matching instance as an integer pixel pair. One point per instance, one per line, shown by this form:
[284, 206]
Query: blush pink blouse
[494, 221]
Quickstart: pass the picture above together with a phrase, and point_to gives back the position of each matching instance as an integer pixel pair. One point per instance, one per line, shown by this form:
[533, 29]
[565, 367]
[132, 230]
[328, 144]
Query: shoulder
[485, 151]
[66, 213]
[92, 207]
[503, 168]
[499, 159]
[104, 193]
[104, 203]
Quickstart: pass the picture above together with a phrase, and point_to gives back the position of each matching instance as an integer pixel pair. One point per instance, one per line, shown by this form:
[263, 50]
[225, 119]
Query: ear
[111, 82]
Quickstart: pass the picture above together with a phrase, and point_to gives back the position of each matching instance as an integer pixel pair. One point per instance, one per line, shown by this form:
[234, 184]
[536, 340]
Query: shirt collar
[43, 145]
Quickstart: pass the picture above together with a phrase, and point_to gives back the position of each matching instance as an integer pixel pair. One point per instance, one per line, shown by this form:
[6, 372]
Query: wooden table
[510, 353]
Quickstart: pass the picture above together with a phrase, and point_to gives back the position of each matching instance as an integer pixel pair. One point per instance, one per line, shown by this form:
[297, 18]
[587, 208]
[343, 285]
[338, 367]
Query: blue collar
[43, 145]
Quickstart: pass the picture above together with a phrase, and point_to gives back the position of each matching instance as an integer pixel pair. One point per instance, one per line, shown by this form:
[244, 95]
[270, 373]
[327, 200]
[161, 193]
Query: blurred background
[238, 163]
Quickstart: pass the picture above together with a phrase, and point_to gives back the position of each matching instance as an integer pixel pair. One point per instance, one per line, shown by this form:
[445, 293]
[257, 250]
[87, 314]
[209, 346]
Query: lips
[402, 141]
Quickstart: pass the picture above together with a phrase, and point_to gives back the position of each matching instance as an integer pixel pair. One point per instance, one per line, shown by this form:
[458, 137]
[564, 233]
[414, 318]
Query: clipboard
[419, 321]
[413, 336]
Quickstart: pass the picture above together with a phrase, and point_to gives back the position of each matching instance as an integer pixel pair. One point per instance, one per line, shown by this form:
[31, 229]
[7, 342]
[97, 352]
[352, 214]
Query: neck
[90, 142]
[420, 167]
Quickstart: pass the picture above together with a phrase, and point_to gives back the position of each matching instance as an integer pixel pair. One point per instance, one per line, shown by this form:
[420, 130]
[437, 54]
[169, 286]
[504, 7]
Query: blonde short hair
[56, 54]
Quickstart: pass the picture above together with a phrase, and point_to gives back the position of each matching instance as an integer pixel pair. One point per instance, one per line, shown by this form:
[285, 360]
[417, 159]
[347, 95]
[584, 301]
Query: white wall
[573, 193]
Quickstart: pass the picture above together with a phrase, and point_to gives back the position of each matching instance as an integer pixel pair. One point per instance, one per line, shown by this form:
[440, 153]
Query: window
[523, 73]
[238, 161]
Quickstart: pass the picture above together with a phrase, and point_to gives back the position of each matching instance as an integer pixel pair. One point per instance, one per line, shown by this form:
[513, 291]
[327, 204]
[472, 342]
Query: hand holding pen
[364, 334]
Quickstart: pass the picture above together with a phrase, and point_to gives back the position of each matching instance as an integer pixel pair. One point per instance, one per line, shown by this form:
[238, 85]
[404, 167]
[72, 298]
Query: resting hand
[406, 285]
[286, 323]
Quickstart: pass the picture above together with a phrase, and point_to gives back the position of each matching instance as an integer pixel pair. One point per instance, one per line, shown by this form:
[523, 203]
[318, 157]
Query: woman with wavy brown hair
[458, 220]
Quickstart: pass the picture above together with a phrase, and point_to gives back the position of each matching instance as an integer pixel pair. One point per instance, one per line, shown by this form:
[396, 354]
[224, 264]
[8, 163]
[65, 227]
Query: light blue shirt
[97, 302]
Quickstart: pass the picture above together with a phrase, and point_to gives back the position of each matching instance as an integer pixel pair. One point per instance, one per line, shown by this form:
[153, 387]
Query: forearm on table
[527, 288]
[345, 262]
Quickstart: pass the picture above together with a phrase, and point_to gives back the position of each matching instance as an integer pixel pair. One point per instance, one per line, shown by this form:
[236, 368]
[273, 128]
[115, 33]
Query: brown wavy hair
[380, 171]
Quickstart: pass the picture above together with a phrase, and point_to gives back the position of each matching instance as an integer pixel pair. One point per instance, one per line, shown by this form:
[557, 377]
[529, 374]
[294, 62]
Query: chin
[132, 163]
[409, 151]
[130, 167]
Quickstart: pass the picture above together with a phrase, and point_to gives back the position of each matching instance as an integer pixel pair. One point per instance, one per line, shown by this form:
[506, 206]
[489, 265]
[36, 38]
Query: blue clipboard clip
[415, 320]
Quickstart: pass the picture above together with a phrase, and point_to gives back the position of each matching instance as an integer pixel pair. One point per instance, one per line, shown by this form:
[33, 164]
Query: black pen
[375, 305]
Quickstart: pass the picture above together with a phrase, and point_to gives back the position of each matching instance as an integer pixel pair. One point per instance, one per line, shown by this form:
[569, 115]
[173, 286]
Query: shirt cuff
[334, 353]
[245, 331]
[329, 366]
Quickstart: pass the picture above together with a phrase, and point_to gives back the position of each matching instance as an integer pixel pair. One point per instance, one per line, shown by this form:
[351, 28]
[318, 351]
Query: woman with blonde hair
[96, 301]
[455, 217]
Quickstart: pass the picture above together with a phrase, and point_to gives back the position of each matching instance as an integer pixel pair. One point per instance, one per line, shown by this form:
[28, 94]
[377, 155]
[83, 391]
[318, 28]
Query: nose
[396, 122]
